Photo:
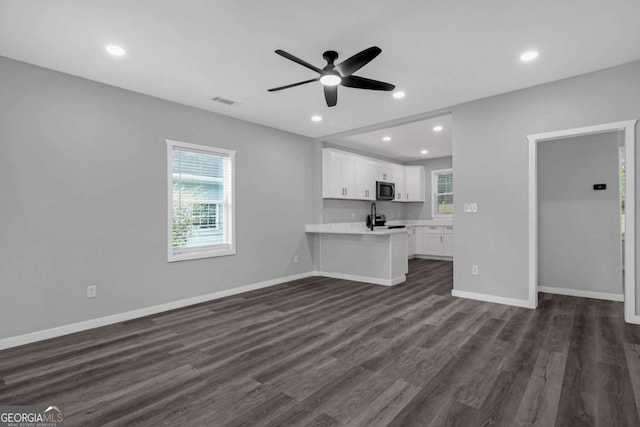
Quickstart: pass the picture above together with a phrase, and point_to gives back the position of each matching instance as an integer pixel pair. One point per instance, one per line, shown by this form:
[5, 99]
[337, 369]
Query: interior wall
[579, 239]
[490, 149]
[417, 211]
[84, 200]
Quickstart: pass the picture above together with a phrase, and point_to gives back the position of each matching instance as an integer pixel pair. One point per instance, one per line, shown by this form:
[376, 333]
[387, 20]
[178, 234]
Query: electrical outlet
[91, 291]
[296, 259]
[353, 215]
[471, 207]
[474, 270]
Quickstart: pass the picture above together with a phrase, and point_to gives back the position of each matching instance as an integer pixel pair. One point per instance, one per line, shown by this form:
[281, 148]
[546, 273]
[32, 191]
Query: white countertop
[422, 222]
[352, 228]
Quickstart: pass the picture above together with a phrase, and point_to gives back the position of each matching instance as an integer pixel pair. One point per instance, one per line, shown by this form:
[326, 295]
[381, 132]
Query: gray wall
[415, 211]
[85, 200]
[491, 168]
[579, 245]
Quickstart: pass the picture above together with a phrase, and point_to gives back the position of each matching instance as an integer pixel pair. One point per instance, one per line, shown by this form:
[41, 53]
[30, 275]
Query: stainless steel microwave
[385, 190]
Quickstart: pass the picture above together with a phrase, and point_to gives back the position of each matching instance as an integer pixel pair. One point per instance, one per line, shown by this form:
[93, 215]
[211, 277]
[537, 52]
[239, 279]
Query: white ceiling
[439, 52]
[407, 141]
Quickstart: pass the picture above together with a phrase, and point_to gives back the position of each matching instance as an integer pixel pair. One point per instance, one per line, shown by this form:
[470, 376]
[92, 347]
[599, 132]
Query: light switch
[471, 207]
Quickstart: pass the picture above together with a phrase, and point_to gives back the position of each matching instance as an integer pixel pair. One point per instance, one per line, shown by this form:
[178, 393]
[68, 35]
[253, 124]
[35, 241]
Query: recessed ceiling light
[316, 118]
[330, 80]
[437, 128]
[398, 94]
[529, 55]
[115, 50]
[424, 151]
[386, 138]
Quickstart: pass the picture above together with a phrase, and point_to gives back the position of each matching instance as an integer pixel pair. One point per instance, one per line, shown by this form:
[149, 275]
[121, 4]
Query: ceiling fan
[342, 74]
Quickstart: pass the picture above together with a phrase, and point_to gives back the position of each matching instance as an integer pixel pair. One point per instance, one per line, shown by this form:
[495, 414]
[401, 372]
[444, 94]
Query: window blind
[443, 194]
[201, 199]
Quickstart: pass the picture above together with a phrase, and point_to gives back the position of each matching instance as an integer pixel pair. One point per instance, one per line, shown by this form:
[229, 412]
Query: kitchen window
[200, 201]
[442, 193]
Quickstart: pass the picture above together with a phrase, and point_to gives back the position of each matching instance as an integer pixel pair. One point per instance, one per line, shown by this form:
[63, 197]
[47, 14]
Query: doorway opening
[565, 207]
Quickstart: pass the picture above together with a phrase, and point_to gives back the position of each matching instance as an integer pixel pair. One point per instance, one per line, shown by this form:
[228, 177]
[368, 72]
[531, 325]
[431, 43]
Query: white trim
[205, 252]
[129, 315]
[364, 279]
[580, 293]
[435, 257]
[434, 188]
[492, 298]
[629, 243]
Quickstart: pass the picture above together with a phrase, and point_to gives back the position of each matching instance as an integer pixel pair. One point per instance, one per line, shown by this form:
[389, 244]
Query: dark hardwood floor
[327, 352]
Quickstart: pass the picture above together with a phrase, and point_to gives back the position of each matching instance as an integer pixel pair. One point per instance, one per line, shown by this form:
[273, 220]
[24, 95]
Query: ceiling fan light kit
[331, 76]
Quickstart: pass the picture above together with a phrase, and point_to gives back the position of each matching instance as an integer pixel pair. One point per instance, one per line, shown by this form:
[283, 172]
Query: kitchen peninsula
[351, 251]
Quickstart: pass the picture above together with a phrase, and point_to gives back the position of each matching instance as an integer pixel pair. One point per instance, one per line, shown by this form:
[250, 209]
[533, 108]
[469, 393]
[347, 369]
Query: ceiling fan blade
[364, 83]
[294, 84]
[298, 60]
[357, 61]
[331, 95]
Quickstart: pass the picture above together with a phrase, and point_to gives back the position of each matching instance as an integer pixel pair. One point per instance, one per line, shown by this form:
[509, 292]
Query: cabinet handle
[440, 239]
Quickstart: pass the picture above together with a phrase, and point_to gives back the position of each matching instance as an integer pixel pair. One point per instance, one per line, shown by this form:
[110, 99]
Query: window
[442, 193]
[201, 196]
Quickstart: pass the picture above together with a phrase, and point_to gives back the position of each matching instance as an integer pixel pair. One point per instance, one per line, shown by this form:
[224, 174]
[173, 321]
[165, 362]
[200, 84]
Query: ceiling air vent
[224, 101]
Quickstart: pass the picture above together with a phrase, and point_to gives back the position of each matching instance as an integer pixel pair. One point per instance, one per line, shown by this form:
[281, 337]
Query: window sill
[199, 254]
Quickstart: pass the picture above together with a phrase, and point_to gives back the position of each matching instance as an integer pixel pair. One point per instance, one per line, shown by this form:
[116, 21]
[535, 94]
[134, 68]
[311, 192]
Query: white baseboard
[365, 279]
[581, 293]
[492, 298]
[435, 257]
[129, 315]
[632, 319]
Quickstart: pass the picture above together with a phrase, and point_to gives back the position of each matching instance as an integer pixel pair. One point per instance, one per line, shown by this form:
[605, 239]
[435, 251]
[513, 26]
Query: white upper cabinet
[350, 176]
[338, 175]
[384, 172]
[366, 171]
[398, 179]
[414, 184]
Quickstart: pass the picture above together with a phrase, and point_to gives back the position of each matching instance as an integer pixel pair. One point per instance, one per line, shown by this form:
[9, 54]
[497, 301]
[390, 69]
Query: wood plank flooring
[327, 352]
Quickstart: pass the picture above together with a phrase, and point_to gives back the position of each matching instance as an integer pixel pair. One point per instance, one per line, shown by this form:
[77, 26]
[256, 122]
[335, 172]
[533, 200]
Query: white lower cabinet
[447, 242]
[411, 241]
[434, 240]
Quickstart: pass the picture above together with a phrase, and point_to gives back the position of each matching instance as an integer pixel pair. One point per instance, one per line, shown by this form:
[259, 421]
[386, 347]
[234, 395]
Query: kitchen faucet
[373, 215]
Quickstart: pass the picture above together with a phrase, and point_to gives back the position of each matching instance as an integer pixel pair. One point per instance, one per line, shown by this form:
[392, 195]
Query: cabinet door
[398, 179]
[365, 179]
[448, 245]
[412, 241]
[414, 183]
[431, 244]
[417, 235]
[348, 166]
[384, 172]
[332, 175]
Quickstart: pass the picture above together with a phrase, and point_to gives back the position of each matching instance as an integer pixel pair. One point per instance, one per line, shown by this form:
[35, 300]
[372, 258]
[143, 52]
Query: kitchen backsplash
[357, 210]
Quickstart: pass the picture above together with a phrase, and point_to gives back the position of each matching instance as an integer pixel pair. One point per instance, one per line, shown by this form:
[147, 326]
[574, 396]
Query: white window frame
[229, 212]
[434, 193]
